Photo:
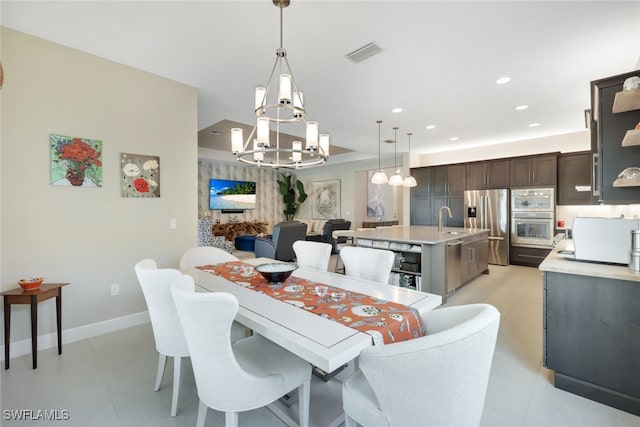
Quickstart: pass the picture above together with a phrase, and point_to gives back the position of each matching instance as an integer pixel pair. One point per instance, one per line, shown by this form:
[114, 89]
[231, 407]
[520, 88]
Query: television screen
[233, 195]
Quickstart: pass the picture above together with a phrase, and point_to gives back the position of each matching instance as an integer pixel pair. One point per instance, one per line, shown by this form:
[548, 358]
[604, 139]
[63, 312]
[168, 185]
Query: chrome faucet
[440, 216]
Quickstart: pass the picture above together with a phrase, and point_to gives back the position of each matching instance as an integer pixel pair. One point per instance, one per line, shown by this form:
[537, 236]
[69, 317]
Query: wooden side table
[20, 296]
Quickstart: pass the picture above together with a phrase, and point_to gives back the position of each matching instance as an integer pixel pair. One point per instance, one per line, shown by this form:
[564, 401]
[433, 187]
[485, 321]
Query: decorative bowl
[276, 272]
[30, 283]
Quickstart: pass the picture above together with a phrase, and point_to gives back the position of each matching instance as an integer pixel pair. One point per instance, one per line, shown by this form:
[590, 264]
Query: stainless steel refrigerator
[490, 209]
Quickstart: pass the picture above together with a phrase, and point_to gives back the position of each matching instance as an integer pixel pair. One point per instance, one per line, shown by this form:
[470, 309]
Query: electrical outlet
[115, 289]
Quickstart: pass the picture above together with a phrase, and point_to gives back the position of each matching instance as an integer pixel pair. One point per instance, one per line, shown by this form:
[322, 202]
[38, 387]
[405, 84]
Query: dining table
[324, 343]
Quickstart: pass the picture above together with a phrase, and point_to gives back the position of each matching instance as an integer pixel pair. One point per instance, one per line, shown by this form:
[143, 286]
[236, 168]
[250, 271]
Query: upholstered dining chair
[446, 371]
[327, 232]
[280, 245]
[367, 263]
[314, 255]
[167, 330]
[242, 376]
[203, 255]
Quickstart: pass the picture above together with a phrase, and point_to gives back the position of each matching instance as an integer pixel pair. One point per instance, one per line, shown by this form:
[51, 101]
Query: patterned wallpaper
[269, 204]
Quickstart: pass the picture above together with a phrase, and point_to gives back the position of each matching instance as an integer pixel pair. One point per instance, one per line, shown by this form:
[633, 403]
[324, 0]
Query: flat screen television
[231, 195]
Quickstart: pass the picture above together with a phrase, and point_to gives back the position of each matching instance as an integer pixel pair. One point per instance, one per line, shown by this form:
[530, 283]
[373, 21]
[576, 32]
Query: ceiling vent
[364, 52]
[390, 141]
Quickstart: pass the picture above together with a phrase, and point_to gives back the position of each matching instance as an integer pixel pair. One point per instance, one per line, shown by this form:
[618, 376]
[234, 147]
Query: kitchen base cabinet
[591, 337]
[531, 257]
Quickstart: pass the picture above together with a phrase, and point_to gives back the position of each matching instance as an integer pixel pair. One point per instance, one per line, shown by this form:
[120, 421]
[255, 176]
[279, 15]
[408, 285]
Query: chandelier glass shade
[276, 106]
[395, 179]
[409, 181]
[379, 177]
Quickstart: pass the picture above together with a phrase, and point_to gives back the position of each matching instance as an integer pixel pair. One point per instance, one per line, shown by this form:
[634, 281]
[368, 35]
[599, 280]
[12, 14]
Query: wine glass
[321, 290]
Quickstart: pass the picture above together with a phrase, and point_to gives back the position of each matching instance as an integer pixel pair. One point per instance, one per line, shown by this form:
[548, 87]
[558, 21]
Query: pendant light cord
[379, 122]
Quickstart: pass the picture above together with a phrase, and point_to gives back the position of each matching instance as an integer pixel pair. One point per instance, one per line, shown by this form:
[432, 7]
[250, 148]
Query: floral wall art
[140, 175]
[75, 161]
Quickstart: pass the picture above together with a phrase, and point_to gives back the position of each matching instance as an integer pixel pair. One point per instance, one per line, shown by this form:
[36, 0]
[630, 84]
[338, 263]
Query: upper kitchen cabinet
[439, 180]
[616, 113]
[533, 171]
[488, 175]
[423, 178]
[574, 179]
[448, 179]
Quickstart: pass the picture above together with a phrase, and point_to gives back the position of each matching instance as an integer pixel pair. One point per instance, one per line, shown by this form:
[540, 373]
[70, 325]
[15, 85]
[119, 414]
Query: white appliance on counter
[533, 217]
[602, 239]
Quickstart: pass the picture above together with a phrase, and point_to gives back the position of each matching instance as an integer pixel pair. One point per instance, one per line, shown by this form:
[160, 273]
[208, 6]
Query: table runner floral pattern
[386, 321]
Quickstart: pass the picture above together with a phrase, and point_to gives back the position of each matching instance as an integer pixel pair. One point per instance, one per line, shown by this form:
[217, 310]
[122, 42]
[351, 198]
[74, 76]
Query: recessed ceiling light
[397, 110]
[455, 138]
[521, 107]
[503, 80]
[532, 125]
[431, 127]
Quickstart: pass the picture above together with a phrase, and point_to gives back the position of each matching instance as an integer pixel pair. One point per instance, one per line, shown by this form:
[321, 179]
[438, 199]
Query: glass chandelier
[285, 106]
[395, 179]
[409, 181]
[379, 177]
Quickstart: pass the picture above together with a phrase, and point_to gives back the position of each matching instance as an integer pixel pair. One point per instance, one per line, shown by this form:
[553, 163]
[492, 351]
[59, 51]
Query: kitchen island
[591, 329]
[437, 261]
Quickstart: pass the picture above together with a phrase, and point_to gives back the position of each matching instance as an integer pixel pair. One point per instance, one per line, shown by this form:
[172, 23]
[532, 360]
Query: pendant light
[395, 179]
[379, 177]
[409, 181]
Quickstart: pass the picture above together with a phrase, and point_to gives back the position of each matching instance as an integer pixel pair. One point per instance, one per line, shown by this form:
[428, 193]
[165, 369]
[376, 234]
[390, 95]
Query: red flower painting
[141, 185]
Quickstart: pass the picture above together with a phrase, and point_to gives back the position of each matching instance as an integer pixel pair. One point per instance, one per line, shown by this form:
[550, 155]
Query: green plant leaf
[302, 196]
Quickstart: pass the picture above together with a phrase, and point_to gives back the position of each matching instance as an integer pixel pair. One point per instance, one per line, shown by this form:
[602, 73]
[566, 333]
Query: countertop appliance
[489, 209]
[532, 217]
[602, 239]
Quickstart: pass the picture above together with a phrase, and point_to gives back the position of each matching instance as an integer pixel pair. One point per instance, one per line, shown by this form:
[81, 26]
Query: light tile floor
[108, 380]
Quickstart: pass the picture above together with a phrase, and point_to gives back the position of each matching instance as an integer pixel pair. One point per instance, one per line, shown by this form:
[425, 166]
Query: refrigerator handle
[485, 203]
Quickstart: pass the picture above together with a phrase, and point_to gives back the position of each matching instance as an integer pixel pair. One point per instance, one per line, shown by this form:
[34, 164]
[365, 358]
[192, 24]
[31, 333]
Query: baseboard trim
[20, 348]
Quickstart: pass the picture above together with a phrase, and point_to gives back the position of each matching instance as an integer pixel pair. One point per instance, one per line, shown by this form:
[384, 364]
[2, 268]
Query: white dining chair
[206, 255]
[367, 263]
[446, 371]
[203, 255]
[314, 255]
[242, 376]
[165, 323]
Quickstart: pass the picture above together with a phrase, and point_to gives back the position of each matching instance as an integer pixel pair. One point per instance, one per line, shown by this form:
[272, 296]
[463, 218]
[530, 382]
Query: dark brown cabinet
[488, 175]
[608, 131]
[531, 257]
[447, 179]
[574, 179]
[425, 210]
[533, 171]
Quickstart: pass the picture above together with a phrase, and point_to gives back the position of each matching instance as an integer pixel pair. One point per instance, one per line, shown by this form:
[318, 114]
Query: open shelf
[631, 137]
[626, 100]
[626, 182]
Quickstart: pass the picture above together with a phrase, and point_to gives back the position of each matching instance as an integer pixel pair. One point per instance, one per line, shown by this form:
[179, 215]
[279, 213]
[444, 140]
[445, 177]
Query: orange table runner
[387, 322]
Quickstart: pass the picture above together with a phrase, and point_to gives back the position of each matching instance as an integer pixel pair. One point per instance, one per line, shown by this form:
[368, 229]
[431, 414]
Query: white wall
[570, 142]
[90, 237]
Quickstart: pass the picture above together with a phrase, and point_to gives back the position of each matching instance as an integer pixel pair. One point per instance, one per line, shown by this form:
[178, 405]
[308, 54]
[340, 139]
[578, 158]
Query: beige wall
[91, 237]
[570, 142]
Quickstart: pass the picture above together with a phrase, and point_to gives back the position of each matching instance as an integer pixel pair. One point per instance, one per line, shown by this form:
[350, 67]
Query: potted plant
[288, 191]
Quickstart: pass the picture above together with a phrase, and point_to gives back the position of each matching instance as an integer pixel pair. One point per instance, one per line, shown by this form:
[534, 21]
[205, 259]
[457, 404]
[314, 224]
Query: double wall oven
[532, 217]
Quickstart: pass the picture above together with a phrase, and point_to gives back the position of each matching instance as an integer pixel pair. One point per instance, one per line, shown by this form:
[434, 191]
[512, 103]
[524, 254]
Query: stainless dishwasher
[454, 265]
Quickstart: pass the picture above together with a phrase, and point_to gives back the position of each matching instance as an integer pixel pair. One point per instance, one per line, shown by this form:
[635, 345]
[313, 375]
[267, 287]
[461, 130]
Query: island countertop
[418, 234]
[558, 264]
